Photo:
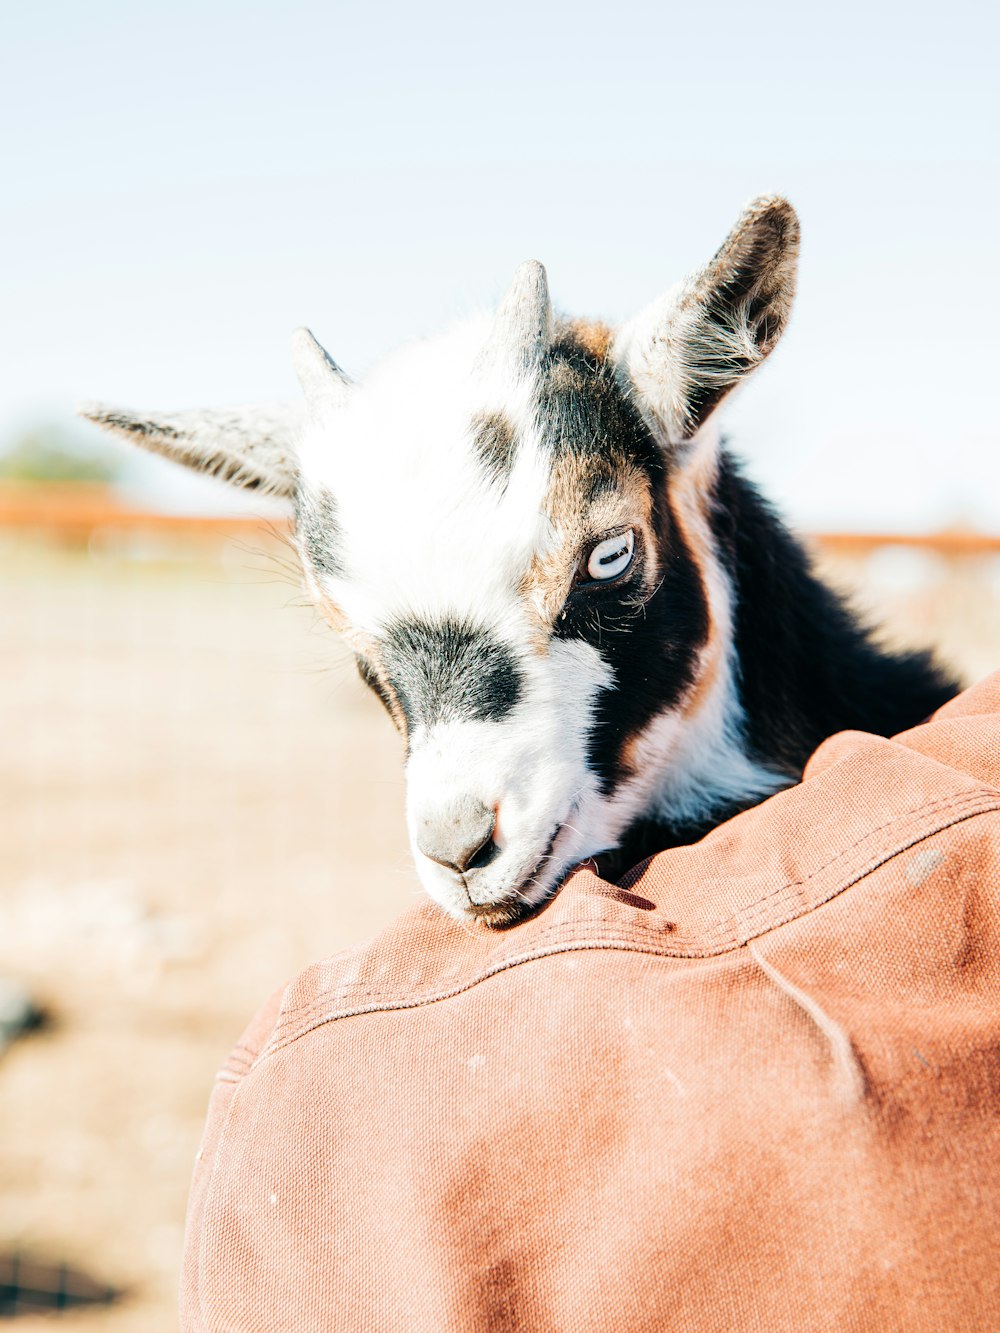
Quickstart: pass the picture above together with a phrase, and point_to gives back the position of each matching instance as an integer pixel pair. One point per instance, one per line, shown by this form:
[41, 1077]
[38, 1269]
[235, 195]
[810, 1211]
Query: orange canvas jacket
[755, 1087]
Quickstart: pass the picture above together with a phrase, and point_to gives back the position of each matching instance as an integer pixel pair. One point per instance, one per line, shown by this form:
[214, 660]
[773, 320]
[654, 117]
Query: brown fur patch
[588, 496]
[629, 752]
[320, 598]
[688, 490]
[332, 614]
[594, 337]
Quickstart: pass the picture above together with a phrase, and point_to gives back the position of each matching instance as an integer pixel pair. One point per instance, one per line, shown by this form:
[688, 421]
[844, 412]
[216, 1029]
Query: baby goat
[591, 630]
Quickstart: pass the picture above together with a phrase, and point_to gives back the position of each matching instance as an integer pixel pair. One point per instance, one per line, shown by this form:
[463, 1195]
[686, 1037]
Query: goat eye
[611, 557]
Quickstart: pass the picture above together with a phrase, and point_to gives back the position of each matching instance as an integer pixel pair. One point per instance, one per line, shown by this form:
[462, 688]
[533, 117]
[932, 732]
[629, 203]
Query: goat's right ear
[684, 353]
[249, 447]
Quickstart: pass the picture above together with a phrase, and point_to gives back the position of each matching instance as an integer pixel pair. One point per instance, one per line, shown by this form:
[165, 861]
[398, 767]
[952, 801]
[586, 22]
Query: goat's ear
[249, 447]
[685, 352]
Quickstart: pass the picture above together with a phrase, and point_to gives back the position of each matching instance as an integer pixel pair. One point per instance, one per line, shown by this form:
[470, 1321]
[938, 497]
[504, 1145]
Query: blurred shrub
[49, 453]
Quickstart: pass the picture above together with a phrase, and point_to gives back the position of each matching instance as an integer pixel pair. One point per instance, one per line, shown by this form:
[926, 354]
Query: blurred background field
[199, 799]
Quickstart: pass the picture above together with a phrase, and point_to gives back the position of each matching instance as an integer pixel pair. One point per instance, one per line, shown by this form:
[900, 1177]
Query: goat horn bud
[522, 329]
[323, 382]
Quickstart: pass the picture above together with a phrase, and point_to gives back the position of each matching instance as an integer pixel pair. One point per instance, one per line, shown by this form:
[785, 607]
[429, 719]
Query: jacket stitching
[982, 802]
[726, 929]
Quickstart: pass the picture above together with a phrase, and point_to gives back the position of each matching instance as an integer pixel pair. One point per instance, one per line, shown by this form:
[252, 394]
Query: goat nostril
[482, 856]
[461, 837]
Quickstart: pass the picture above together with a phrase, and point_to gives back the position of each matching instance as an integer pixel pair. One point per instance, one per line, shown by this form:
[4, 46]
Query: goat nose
[458, 836]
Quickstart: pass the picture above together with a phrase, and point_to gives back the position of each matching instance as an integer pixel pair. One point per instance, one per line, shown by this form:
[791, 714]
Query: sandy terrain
[198, 799]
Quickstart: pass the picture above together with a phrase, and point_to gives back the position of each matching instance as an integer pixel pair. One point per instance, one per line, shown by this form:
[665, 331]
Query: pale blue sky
[185, 184]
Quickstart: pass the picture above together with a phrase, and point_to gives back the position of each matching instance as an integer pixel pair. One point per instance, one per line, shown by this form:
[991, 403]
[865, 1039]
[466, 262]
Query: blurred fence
[941, 588]
[82, 509]
[198, 798]
[28, 1287]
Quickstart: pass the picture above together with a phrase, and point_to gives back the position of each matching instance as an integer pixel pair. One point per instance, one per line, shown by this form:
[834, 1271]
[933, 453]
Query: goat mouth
[517, 906]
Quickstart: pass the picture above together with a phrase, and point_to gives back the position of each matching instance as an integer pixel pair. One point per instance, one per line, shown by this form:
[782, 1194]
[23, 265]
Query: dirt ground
[198, 799]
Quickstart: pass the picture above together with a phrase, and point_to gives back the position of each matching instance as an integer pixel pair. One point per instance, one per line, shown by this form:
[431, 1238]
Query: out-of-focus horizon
[185, 185]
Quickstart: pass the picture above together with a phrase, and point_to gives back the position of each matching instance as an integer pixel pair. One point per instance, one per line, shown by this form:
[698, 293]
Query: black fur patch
[495, 443]
[317, 529]
[586, 412]
[651, 645]
[447, 670]
[808, 667]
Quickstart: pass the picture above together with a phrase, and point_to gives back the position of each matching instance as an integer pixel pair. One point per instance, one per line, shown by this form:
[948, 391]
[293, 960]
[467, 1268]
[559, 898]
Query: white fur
[423, 531]
[671, 346]
[532, 766]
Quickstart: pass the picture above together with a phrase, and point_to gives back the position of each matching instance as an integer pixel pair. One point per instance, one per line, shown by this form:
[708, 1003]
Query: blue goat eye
[612, 556]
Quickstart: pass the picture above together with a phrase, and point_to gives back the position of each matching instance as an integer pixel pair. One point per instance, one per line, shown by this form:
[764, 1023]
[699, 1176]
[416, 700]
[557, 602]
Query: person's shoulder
[863, 798]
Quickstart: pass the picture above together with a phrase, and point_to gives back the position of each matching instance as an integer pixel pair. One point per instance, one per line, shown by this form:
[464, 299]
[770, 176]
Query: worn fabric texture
[755, 1087]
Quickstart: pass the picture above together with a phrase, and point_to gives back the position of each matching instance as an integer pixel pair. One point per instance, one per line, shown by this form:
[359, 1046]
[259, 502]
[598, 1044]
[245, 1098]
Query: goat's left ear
[252, 447]
[685, 352]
